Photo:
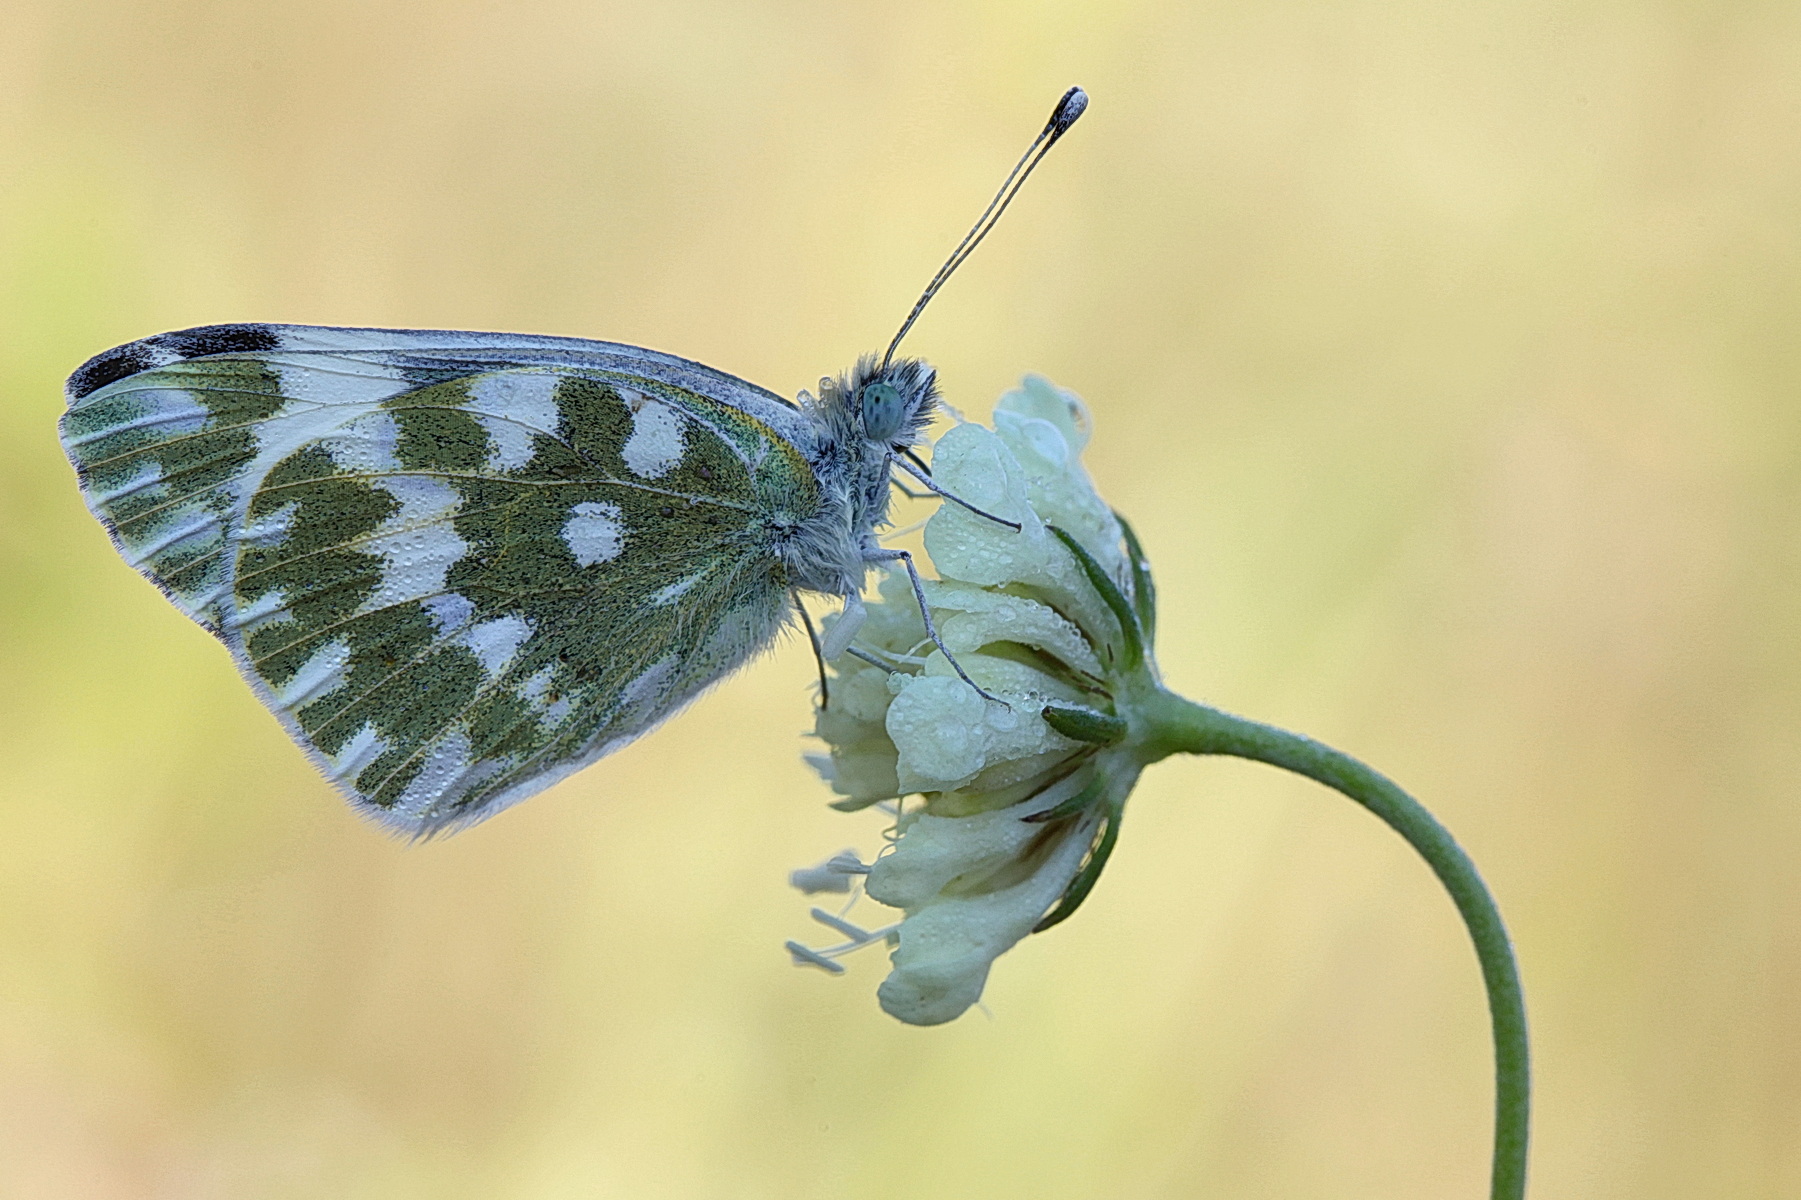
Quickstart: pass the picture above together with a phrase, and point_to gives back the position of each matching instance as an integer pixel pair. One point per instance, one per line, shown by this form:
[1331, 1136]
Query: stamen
[807, 956]
[846, 862]
[804, 957]
[832, 875]
[855, 933]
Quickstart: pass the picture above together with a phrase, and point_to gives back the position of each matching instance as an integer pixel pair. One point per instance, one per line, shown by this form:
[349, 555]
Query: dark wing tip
[121, 362]
[110, 366]
[218, 339]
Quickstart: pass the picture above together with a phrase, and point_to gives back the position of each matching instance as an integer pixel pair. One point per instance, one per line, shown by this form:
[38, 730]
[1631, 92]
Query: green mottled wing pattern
[457, 573]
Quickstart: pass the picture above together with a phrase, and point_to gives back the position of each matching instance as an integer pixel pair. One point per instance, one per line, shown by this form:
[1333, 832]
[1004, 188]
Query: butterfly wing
[457, 566]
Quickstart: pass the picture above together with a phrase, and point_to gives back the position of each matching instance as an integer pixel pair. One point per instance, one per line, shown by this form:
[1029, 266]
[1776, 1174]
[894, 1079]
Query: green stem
[1172, 725]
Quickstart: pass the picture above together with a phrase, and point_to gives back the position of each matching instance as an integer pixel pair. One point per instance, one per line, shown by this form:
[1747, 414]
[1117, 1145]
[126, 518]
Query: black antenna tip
[1073, 105]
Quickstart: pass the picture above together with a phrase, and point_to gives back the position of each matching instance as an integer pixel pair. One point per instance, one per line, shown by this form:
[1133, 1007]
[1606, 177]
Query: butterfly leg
[919, 594]
[825, 697]
[872, 660]
[925, 481]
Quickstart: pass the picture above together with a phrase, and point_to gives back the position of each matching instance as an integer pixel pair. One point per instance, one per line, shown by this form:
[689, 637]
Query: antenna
[1071, 106]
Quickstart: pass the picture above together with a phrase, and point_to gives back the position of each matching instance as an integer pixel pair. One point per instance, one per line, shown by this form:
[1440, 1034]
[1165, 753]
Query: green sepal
[856, 803]
[1069, 807]
[1084, 881]
[1144, 588]
[1109, 591]
[1085, 724]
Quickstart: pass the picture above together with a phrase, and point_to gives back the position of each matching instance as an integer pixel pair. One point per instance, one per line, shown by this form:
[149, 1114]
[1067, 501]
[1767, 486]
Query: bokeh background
[1444, 355]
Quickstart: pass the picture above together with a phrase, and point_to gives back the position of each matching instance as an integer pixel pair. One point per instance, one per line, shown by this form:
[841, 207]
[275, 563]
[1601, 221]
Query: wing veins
[209, 431]
[314, 406]
[531, 760]
[185, 499]
[433, 647]
[486, 689]
[339, 625]
[591, 481]
[362, 539]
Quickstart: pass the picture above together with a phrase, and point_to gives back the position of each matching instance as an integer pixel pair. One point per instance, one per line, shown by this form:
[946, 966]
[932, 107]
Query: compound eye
[883, 411]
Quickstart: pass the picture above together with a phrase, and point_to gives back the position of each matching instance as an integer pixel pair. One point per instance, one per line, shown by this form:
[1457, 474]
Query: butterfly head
[894, 403]
[876, 412]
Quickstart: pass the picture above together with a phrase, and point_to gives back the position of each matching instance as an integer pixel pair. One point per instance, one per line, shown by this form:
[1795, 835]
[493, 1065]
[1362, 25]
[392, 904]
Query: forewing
[456, 572]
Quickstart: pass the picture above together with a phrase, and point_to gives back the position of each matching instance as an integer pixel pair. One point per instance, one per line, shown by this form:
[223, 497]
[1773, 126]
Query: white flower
[1021, 798]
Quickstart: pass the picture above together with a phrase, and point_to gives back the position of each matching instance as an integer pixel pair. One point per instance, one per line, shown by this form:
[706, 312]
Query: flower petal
[979, 618]
[975, 464]
[945, 734]
[949, 941]
[1046, 428]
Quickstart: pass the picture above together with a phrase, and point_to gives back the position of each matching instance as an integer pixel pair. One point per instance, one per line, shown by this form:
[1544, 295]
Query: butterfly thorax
[864, 419]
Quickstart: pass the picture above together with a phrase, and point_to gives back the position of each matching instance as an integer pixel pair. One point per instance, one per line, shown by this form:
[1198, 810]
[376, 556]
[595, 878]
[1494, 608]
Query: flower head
[1020, 796]
[1023, 724]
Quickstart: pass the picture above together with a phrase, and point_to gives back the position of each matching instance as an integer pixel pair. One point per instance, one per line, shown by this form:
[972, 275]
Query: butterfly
[460, 566]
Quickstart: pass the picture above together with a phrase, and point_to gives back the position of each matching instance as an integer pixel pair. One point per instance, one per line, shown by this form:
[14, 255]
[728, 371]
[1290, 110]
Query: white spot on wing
[646, 688]
[593, 532]
[677, 590]
[267, 609]
[418, 544]
[509, 443]
[170, 411]
[363, 748]
[533, 691]
[449, 612]
[496, 643]
[270, 529]
[366, 444]
[656, 444]
[448, 774]
[177, 412]
[536, 685]
[195, 522]
[321, 395]
[323, 672]
[337, 381]
[149, 476]
[512, 406]
[445, 765]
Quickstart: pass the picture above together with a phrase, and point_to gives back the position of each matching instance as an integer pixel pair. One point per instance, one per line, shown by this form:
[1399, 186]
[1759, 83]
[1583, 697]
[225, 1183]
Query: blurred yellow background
[1444, 355]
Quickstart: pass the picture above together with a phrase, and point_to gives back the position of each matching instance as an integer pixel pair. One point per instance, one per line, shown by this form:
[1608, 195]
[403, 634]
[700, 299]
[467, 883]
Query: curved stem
[1174, 725]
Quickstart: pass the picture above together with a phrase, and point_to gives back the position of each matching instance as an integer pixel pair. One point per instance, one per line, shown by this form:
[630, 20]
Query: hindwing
[457, 566]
